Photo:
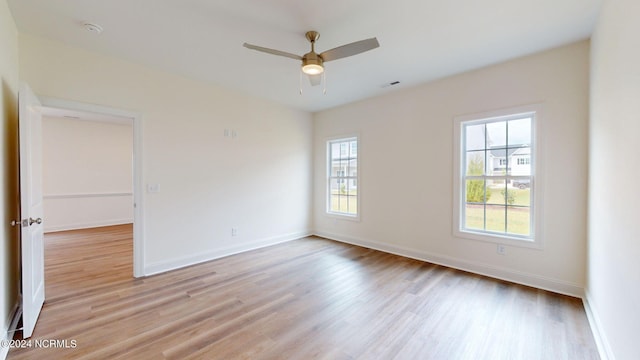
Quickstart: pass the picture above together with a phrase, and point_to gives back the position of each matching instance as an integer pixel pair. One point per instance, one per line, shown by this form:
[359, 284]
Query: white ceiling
[420, 40]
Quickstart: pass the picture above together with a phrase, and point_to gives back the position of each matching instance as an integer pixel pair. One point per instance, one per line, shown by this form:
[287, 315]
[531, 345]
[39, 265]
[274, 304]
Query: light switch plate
[153, 188]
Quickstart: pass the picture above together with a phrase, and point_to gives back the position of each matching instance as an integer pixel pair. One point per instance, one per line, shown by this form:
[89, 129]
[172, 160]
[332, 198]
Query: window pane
[474, 137]
[353, 204]
[475, 163]
[347, 167]
[519, 220]
[521, 161]
[474, 217]
[496, 218]
[519, 132]
[496, 134]
[335, 203]
[352, 196]
[498, 162]
[521, 197]
[508, 196]
[496, 191]
[335, 168]
[335, 151]
[344, 167]
[475, 191]
[341, 204]
[353, 168]
[334, 186]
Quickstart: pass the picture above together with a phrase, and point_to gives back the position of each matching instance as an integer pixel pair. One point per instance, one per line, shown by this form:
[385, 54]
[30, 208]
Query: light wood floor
[310, 298]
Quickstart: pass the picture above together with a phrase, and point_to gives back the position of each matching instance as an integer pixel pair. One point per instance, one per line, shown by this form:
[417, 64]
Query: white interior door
[31, 234]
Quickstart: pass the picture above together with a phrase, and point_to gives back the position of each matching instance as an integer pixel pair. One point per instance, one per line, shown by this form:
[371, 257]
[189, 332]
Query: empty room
[336, 180]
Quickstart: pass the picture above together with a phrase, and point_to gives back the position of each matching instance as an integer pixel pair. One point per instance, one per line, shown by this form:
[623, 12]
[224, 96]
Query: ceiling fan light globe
[312, 69]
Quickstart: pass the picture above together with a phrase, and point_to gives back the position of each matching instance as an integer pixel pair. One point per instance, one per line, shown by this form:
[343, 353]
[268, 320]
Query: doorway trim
[138, 205]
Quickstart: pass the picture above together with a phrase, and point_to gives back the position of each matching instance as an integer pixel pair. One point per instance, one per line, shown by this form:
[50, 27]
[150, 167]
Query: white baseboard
[88, 225]
[519, 277]
[604, 349]
[160, 267]
[9, 329]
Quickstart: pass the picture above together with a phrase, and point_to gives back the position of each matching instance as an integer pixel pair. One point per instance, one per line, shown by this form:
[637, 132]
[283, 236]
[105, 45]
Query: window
[496, 203]
[354, 148]
[343, 149]
[342, 167]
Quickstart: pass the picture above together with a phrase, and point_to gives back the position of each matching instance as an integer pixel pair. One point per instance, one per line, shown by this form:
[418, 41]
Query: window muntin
[496, 176]
[342, 191]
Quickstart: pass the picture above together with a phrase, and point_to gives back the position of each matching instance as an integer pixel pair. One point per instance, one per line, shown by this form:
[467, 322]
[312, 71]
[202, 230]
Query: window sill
[499, 239]
[340, 216]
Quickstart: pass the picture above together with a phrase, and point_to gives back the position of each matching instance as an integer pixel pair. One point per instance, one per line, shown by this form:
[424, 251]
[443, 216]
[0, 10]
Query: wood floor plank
[310, 298]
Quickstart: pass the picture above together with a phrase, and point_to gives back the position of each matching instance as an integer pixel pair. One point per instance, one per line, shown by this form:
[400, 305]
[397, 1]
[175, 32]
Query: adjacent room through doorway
[87, 189]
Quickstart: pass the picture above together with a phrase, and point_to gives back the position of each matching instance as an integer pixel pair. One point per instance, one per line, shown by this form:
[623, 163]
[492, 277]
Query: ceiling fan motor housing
[312, 63]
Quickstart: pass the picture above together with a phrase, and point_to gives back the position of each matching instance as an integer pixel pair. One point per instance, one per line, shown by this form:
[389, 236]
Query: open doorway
[91, 173]
[87, 183]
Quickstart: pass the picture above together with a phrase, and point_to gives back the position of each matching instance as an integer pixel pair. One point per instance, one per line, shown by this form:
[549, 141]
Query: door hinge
[22, 223]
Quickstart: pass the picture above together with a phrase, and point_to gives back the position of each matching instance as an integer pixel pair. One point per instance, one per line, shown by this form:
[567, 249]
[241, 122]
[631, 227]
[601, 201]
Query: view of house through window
[497, 176]
[343, 177]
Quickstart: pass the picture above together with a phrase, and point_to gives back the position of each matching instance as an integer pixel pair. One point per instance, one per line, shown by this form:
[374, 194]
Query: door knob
[37, 221]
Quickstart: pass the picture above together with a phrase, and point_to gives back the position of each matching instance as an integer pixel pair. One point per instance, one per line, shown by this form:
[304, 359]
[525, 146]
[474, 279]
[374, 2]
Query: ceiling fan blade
[315, 80]
[272, 51]
[351, 49]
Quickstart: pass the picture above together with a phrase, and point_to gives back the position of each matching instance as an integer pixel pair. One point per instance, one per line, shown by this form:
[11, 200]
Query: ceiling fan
[312, 62]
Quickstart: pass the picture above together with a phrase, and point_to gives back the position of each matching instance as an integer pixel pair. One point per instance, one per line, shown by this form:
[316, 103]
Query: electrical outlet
[234, 231]
[502, 250]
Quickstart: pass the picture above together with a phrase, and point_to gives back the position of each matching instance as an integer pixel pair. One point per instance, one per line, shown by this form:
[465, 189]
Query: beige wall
[86, 173]
[613, 286]
[8, 169]
[258, 182]
[406, 167]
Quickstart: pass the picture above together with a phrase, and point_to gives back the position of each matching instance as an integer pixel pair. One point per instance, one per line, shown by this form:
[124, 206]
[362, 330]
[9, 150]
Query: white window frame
[348, 179]
[535, 240]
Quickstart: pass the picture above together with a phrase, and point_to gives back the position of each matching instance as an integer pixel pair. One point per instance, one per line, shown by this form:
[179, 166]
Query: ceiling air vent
[92, 28]
[391, 84]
